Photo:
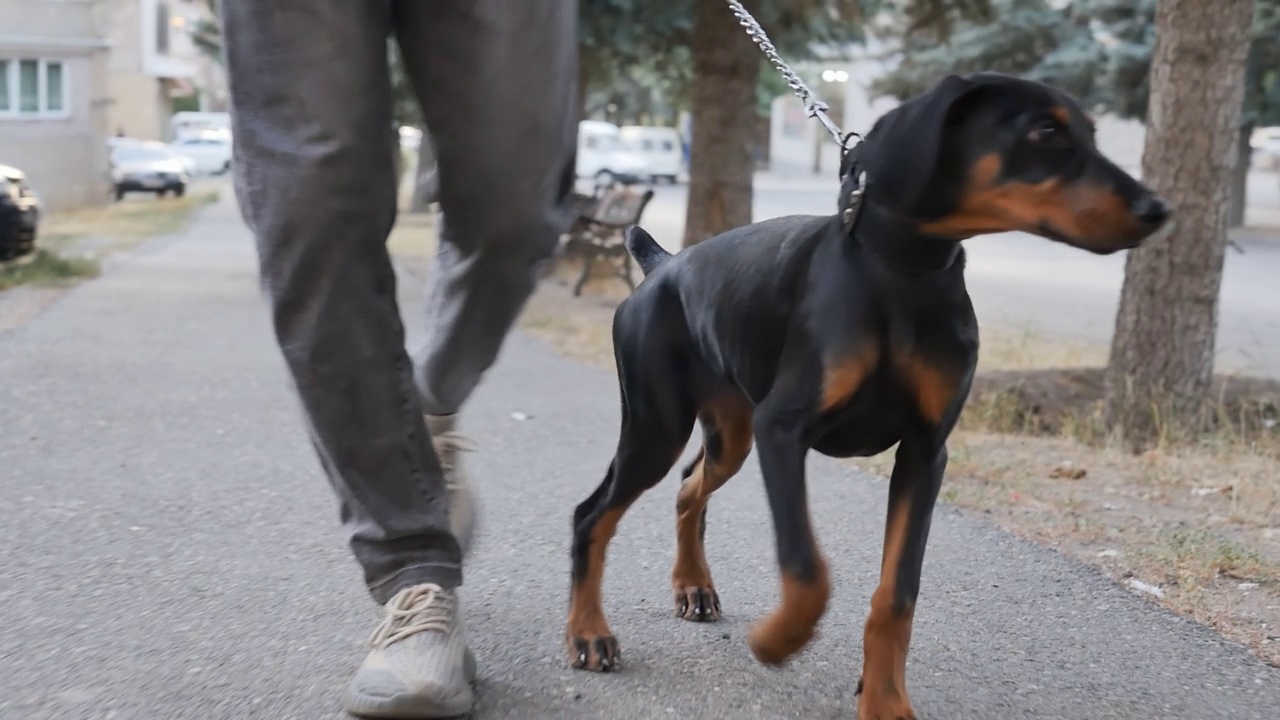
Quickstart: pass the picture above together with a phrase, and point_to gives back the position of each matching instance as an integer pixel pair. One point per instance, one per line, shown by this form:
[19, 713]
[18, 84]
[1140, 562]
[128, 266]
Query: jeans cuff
[446, 575]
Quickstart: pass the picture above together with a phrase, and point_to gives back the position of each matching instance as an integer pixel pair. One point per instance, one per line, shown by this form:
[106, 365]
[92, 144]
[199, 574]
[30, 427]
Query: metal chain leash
[813, 107]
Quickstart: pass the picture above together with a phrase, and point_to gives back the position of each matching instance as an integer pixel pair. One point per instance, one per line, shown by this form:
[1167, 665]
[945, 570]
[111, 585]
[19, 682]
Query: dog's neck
[896, 242]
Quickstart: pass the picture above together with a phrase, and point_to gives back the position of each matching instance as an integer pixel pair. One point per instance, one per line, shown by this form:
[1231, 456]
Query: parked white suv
[150, 167]
[603, 156]
[207, 153]
[1266, 147]
[661, 148]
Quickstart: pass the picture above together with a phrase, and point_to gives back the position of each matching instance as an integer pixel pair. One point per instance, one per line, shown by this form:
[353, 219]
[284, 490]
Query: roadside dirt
[20, 304]
[72, 243]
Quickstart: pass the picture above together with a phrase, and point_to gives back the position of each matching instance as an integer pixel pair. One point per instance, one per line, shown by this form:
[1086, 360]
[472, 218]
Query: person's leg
[313, 167]
[498, 85]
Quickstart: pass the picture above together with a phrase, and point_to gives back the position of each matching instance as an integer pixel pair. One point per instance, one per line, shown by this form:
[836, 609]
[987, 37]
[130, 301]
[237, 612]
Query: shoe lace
[417, 609]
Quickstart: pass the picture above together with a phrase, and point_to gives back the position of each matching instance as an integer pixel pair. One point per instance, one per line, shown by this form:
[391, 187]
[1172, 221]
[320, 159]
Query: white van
[602, 155]
[661, 147]
[187, 122]
[1265, 144]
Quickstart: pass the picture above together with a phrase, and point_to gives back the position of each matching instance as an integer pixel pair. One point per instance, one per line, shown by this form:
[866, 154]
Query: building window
[53, 99]
[162, 29]
[32, 87]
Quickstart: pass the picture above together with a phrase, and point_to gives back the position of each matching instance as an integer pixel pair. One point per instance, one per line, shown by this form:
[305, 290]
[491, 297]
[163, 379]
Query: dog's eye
[1050, 135]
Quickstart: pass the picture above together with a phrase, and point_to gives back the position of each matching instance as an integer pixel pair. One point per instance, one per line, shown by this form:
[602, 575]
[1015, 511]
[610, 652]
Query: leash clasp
[845, 147]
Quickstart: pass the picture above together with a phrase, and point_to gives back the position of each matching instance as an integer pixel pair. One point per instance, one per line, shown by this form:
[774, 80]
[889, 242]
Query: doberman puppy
[843, 334]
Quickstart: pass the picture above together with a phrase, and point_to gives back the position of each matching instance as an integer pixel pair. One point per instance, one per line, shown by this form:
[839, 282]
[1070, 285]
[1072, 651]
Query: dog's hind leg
[726, 442]
[653, 436]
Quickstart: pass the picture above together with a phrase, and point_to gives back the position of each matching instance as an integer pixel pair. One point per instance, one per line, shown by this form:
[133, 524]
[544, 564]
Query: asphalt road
[1024, 282]
[171, 549]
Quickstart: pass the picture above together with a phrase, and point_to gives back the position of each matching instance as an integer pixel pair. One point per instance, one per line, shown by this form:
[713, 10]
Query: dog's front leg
[805, 585]
[913, 489]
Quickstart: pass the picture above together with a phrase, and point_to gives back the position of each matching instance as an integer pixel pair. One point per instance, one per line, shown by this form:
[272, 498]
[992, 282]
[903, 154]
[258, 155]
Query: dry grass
[1199, 522]
[1201, 525]
[97, 231]
[71, 244]
[578, 328]
[413, 239]
[1012, 348]
[44, 268]
[584, 335]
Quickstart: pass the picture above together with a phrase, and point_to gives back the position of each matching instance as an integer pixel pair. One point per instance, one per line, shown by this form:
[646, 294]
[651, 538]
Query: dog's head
[988, 153]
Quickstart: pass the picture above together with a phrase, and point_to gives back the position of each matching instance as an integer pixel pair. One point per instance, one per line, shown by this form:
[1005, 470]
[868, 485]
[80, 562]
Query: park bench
[597, 231]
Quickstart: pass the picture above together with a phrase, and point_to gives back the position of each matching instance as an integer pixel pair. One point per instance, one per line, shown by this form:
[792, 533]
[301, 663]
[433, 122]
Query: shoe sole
[412, 707]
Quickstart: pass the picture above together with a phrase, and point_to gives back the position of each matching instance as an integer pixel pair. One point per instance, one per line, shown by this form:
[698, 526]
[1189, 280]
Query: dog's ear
[902, 152]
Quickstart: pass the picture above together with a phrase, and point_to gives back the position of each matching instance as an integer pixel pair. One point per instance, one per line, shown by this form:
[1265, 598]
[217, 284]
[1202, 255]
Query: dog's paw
[883, 705]
[775, 638]
[590, 651]
[698, 604]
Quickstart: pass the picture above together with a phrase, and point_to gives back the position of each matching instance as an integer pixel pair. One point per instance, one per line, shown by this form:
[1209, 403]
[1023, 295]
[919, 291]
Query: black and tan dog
[842, 334]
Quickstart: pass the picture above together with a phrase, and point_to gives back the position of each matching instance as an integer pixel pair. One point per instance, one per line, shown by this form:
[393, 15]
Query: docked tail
[647, 252]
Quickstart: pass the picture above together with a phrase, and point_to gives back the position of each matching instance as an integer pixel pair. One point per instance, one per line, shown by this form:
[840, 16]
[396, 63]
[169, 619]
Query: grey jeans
[310, 93]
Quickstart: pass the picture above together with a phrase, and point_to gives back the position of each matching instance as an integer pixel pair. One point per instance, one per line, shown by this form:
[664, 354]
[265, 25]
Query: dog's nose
[1151, 209]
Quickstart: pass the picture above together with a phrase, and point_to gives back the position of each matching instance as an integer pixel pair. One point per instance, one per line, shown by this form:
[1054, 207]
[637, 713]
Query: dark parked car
[19, 214]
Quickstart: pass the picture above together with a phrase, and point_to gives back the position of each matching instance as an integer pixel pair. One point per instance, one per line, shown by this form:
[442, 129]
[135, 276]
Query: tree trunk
[426, 185]
[726, 66]
[584, 87]
[1161, 364]
[763, 142]
[1240, 178]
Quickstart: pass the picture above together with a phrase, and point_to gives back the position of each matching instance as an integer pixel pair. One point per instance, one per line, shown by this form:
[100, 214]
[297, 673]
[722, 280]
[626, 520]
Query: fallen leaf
[1140, 586]
[1067, 471]
[1202, 491]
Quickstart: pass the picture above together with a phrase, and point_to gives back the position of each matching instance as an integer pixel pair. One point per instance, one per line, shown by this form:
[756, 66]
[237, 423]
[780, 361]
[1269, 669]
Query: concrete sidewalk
[172, 550]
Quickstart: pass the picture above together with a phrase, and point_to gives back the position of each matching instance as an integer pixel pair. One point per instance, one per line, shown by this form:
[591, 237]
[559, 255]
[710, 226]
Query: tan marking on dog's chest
[843, 374]
[934, 389]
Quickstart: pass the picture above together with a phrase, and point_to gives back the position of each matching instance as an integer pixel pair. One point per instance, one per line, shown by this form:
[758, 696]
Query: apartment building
[54, 100]
[155, 67]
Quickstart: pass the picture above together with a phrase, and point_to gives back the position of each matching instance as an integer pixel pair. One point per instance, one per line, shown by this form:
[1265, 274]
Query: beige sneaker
[449, 445]
[420, 666]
